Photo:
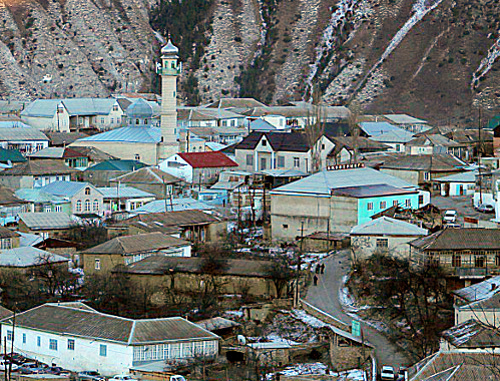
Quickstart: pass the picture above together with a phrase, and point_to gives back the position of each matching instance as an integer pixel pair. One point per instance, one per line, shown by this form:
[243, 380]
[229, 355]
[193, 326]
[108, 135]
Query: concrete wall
[80, 198]
[58, 122]
[365, 246]
[410, 176]
[85, 356]
[454, 189]
[364, 214]
[488, 317]
[18, 182]
[145, 152]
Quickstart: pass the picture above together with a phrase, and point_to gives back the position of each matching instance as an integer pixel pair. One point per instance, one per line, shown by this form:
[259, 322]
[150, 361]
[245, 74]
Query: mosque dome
[140, 109]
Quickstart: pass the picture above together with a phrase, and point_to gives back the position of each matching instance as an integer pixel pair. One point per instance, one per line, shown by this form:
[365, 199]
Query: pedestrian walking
[318, 269]
[322, 268]
[315, 279]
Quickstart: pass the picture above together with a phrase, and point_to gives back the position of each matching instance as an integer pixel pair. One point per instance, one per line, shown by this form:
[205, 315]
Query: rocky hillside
[436, 59]
[87, 47]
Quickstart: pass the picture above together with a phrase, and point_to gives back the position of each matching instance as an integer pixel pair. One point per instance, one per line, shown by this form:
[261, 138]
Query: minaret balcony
[168, 71]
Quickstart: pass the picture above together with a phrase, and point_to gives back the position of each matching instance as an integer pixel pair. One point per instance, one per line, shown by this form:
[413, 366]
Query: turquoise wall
[364, 215]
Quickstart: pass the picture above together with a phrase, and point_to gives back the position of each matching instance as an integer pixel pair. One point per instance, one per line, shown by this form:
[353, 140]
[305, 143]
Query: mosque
[140, 139]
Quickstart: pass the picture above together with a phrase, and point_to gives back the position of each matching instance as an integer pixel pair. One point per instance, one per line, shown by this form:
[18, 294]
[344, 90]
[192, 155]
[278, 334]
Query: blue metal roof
[75, 106]
[377, 128]
[65, 188]
[123, 192]
[139, 134]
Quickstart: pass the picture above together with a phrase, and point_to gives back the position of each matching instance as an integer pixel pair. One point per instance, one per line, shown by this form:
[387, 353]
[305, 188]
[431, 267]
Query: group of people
[320, 269]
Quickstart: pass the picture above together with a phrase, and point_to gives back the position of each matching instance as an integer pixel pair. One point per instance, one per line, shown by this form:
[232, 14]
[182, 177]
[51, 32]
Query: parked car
[91, 375]
[57, 370]
[485, 208]
[387, 373]
[450, 216]
[32, 368]
[4, 365]
[402, 373]
[123, 377]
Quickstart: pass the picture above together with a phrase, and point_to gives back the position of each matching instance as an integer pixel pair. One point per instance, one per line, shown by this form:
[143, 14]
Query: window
[6, 243]
[285, 226]
[497, 260]
[264, 142]
[383, 205]
[145, 121]
[47, 209]
[87, 205]
[427, 176]
[53, 344]
[137, 156]
[382, 243]
[112, 120]
[249, 159]
[395, 203]
[322, 146]
[103, 350]
[78, 206]
[137, 121]
[408, 203]
[10, 335]
[38, 341]
[296, 162]
[71, 344]
[369, 206]
[58, 208]
[456, 260]
[87, 191]
[95, 206]
[102, 120]
[398, 147]
[263, 163]
[115, 108]
[479, 261]
[281, 162]
[97, 264]
[24, 338]
[420, 199]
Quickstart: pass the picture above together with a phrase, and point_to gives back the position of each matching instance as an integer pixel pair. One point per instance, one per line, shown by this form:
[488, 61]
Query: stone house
[39, 201]
[187, 275]
[123, 198]
[84, 197]
[429, 144]
[10, 206]
[125, 250]
[76, 337]
[72, 158]
[384, 235]
[192, 225]
[100, 174]
[466, 255]
[27, 259]
[8, 239]
[197, 167]
[46, 225]
[334, 201]
[36, 174]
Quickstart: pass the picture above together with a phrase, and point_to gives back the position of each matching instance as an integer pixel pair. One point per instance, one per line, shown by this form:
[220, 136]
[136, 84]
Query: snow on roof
[480, 291]
[388, 227]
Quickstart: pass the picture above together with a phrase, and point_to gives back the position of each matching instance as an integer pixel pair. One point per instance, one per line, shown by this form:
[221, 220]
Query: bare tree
[314, 130]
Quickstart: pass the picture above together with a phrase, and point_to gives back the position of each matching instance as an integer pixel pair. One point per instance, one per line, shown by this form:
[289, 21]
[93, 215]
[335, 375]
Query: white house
[77, 337]
[197, 167]
[19, 136]
[459, 184]
[384, 235]
[124, 198]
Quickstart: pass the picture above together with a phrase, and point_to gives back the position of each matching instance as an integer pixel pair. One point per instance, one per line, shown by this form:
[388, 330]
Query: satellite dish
[242, 339]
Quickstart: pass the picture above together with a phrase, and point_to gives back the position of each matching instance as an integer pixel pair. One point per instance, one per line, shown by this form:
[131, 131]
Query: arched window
[87, 191]
[87, 205]
[145, 121]
[78, 206]
[95, 207]
[137, 121]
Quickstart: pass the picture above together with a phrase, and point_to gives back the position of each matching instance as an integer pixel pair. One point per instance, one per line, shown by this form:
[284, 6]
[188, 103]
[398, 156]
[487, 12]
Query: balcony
[471, 272]
[168, 71]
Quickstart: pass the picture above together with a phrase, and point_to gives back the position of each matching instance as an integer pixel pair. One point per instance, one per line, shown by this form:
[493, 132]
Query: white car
[387, 373]
[450, 216]
[122, 377]
[5, 366]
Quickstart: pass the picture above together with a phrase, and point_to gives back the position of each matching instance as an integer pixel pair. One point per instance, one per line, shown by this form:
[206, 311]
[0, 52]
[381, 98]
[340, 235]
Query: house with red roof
[197, 167]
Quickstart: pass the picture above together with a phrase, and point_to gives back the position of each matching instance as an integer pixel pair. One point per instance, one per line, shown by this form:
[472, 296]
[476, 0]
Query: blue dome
[169, 48]
[140, 109]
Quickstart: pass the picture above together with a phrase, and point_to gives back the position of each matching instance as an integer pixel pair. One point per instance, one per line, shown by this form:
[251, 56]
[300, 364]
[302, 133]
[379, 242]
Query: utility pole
[299, 260]
[479, 149]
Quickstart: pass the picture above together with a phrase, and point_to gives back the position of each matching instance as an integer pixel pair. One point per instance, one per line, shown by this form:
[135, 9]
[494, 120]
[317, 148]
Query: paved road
[463, 206]
[325, 296]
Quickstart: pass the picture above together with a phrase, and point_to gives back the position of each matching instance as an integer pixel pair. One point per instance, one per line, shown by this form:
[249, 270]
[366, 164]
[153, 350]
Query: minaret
[169, 70]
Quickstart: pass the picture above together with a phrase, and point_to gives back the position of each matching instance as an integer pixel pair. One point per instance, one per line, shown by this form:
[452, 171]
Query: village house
[101, 174]
[10, 206]
[152, 180]
[175, 205]
[84, 197]
[384, 235]
[262, 151]
[459, 184]
[396, 139]
[125, 250]
[123, 198]
[188, 275]
[422, 169]
[429, 144]
[36, 174]
[9, 239]
[192, 225]
[74, 114]
[188, 117]
[77, 337]
[46, 225]
[197, 167]
[39, 201]
[407, 122]
[347, 149]
[63, 139]
[466, 255]
[336, 200]
[28, 259]
[10, 157]
[72, 158]
[21, 137]
[471, 335]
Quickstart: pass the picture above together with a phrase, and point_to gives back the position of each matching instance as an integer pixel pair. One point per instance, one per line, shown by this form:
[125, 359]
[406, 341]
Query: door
[262, 163]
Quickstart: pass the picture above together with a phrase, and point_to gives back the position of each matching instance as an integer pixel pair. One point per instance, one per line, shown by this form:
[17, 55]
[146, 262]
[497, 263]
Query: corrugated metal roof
[388, 226]
[435, 163]
[214, 159]
[37, 195]
[174, 205]
[460, 239]
[399, 136]
[28, 239]
[66, 188]
[464, 177]
[12, 155]
[46, 221]
[404, 119]
[117, 165]
[378, 128]
[147, 175]
[132, 244]
[323, 182]
[21, 133]
[480, 291]
[64, 138]
[75, 106]
[139, 134]
[71, 320]
[279, 141]
[217, 323]
[39, 167]
[49, 153]
[375, 190]
[123, 191]
[28, 256]
[472, 334]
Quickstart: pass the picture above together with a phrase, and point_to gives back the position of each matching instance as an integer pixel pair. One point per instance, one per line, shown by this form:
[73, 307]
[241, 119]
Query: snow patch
[318, 369]
[486, 64]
